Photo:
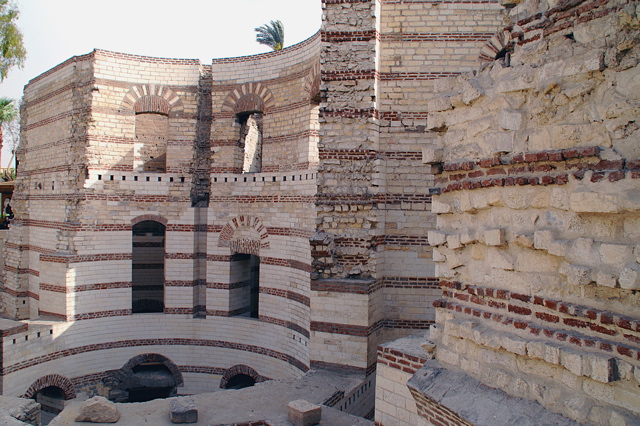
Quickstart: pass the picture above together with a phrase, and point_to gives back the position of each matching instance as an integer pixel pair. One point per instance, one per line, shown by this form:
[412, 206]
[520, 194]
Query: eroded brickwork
[536, 246]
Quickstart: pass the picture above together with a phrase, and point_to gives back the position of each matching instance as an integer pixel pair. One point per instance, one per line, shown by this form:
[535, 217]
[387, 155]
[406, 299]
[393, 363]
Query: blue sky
[194, 29]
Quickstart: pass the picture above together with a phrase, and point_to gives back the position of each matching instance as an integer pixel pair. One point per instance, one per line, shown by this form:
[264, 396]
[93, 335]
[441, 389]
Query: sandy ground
[264, 401]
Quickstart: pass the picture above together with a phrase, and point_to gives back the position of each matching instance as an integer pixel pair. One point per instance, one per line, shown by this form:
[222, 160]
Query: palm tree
[271, 34]
[8, 112]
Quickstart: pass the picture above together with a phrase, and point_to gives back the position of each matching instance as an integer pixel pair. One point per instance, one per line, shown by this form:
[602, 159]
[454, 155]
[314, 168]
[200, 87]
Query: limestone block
[98, 410]
[606, 279]
[601, 368]
[510, 119]
[453, 242]
[438, 256]
[631, 200]
[467, 237]
[593, 31]
[632, 227]
[535, 349]
[581, 250]
[439, 208]
[500, 259]
[513, 343]
[471, 91]
[579, 89]
[478, 252]
[630, 277]
[183, 410]
[444, 271]
[479, 201]
[515, 199]
[573, 361]
[628, 82]
[462, 202]
[439, 104]
[593, 202]
[615, 254]
[436, 121]
[431, 155]
[454, 260]
[494, 237]
[515, 82]
[448, 84]
[498, 142]
[436, 238]
[559, 198]
[558, 248]
[304, 413]
[576, 275]
[523, 240]
[542, 239]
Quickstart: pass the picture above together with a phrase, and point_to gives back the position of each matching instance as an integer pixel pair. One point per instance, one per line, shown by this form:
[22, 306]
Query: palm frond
[271, 34]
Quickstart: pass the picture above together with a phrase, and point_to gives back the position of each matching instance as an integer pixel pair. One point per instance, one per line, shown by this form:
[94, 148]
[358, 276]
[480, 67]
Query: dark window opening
[147, 283]
[150, 381]
[244, 286]
[240, 381]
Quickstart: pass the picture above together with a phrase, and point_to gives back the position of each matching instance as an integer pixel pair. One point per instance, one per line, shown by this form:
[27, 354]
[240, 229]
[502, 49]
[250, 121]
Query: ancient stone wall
[379, 62]
[90, 126]
[536, 246]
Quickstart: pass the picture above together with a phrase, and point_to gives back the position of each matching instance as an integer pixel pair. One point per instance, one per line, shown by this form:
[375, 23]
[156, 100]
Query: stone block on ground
[183, 411]
[98, 410]
[303, 413]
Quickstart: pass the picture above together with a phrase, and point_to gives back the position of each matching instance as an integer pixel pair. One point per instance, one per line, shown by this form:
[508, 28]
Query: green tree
[12, 51]
[8, 112]
[271, 34]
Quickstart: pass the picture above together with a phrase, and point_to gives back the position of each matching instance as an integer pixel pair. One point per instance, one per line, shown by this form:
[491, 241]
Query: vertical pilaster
[349, 221]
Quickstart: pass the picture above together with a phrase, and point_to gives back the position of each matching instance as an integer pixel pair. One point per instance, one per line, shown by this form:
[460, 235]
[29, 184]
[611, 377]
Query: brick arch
[240, 369]
[51, 380]
[312, 82]
[127, 369]
[153, 217]
[252, 247]
[496, 45]
[152, 103]
[249, 97]
[152, 98]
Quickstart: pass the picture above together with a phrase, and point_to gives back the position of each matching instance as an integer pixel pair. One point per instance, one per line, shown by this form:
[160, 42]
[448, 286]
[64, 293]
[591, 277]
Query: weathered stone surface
[183, 410]
[303, 413]
[98, 410]
[494, 237]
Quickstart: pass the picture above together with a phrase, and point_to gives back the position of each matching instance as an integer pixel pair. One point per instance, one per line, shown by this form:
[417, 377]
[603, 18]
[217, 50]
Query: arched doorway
[146, 377]
[244, 288]
[147, 280]
[52, 393]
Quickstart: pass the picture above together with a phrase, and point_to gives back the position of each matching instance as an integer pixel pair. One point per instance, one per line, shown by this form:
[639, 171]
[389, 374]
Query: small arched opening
[240, 381]
[240, 376]
[251, 139]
